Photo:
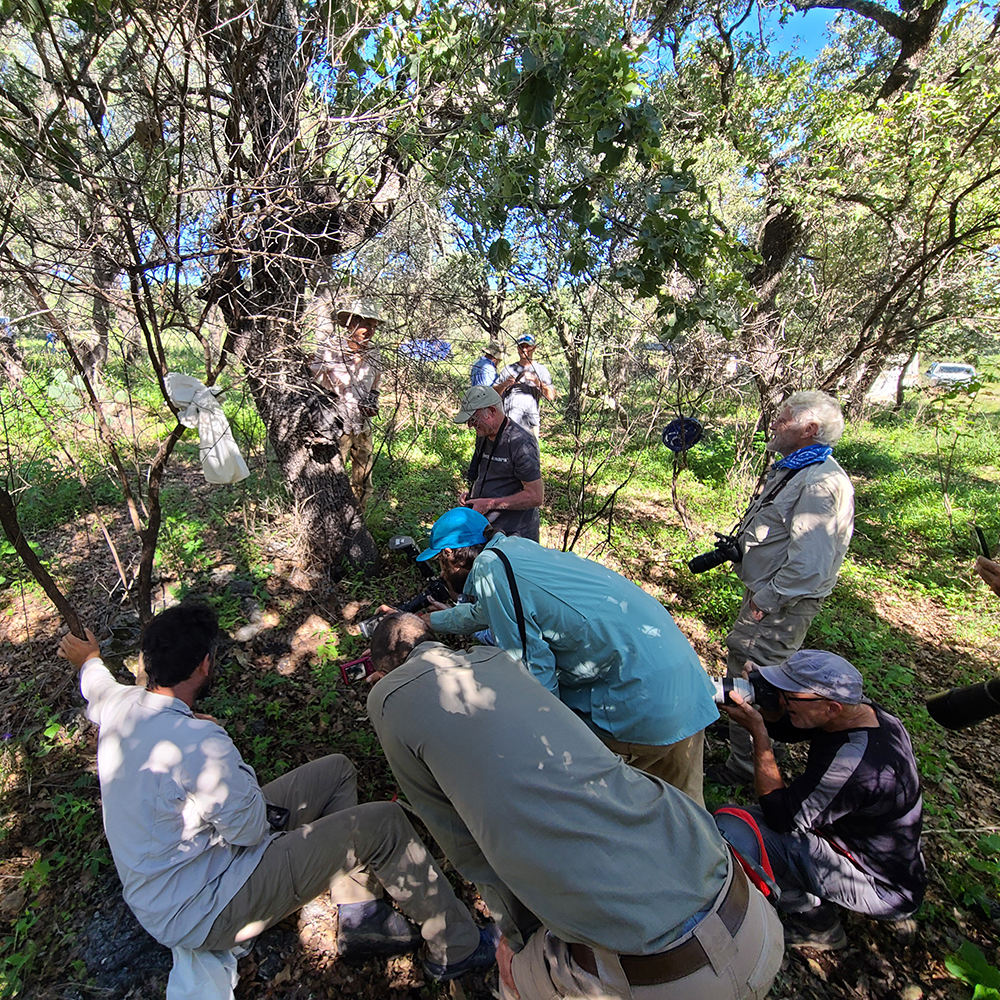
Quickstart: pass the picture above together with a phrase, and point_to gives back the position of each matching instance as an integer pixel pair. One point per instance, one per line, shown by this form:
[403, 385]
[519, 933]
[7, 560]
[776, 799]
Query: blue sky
[804, 34]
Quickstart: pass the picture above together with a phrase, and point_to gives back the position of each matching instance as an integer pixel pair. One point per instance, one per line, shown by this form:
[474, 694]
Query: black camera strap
[768, 497]
[477, 457]
[516, 598]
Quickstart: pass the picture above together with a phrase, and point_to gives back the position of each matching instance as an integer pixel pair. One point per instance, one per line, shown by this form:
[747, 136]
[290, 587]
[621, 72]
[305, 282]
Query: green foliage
[182, 543]
[972, 967]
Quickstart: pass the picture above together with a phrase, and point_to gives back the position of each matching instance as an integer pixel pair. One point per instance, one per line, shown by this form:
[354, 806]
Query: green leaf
[536, 103]
[499, 254]
[971, 966]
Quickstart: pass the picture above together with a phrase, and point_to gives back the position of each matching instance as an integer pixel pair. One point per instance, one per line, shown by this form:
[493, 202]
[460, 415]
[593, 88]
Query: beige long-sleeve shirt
[794, 544]
[350, 375]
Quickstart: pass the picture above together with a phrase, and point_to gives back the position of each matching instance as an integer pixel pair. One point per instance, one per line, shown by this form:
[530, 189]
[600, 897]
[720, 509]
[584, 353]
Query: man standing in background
[523, 384]
[505, 475]
[793, 537]
[484, 371]
[349, 368]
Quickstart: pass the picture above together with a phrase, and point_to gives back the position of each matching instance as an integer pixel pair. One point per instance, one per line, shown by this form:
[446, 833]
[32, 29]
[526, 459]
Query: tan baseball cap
[362, 308]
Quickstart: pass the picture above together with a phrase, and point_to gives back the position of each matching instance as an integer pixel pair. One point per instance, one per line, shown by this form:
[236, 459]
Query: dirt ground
[88, 945]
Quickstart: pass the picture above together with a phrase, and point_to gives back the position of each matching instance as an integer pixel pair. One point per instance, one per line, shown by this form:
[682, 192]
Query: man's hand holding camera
[744, 714]
[767, 776]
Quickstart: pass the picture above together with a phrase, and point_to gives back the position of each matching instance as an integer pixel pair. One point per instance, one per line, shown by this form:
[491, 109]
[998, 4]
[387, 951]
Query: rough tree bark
[261, 279]
[782, 237]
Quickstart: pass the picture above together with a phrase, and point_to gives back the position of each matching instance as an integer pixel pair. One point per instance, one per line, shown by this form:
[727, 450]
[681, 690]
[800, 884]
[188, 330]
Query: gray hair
[823, 409]
[395, 637]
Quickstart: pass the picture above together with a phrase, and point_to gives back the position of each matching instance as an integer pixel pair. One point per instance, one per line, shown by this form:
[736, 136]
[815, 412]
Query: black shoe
[819, 929]
[482, 958]
[721, 775]
[374, 928]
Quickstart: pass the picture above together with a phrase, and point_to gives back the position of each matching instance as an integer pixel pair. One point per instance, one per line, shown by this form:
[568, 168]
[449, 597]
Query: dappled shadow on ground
[280, 696]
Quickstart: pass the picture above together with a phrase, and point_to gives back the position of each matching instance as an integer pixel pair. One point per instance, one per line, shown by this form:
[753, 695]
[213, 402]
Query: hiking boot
[721, 775]
[374, 928]
[482, 958]
[819, 929]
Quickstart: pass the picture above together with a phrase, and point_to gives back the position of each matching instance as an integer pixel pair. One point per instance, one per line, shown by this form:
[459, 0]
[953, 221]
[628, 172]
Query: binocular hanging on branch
[965, 706]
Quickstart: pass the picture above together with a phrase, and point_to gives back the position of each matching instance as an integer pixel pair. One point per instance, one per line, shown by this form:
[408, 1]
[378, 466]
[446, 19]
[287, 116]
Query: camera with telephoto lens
[965, 706]
[435, 590]
[753, 689]
[726, 686]
[727, 549]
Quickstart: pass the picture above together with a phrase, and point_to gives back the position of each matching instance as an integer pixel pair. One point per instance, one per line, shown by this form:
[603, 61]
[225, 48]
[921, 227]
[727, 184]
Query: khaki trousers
[330, 839]
[739, 967]
[358, 447]
[681, 764]
[766, 643]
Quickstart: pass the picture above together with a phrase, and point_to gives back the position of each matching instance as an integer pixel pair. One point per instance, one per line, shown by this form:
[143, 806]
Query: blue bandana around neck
[812, 454]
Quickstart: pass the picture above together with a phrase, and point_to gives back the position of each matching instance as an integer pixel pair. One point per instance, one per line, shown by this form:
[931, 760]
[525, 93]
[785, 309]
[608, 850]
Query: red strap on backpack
[762, 876]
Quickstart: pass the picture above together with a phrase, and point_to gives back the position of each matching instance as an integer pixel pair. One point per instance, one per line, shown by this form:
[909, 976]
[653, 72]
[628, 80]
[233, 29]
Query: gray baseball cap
[477, 398]
[815, 671]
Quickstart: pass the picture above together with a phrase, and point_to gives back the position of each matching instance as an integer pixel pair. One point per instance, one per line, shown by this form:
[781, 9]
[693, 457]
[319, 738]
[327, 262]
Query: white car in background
[950, 373]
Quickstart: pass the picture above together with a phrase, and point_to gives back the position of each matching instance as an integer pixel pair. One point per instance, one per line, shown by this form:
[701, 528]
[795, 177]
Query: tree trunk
[902, 375]
[781, 238]
[328, 518]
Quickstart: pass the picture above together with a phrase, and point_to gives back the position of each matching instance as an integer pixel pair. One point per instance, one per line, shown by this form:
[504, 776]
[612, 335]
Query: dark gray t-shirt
[504, 466]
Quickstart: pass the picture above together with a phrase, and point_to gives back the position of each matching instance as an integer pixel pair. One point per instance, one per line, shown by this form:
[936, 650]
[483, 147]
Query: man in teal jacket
[605, 647]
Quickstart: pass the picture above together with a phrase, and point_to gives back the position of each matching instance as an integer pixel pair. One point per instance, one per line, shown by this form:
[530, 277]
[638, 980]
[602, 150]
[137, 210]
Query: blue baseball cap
[455, 529]
[816, 671]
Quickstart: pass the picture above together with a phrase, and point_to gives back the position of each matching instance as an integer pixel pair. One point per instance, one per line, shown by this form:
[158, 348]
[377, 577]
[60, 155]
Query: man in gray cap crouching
[847, 831]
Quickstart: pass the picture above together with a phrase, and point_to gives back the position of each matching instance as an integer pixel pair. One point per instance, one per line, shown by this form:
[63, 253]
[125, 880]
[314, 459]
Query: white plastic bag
[221, 460]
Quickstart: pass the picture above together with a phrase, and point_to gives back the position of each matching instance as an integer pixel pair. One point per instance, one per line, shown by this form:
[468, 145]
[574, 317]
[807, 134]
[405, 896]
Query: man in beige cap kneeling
[505, 475]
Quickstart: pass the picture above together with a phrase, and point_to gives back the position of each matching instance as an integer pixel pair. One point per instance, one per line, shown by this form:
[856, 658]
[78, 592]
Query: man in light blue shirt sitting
[484, 371]
[605, 647]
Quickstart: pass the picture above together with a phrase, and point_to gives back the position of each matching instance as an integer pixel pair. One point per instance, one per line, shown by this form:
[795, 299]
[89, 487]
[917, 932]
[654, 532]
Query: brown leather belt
[684, 959]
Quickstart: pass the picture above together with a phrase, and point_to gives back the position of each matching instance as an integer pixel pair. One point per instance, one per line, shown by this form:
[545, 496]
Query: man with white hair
[349, 368]
[793, 538]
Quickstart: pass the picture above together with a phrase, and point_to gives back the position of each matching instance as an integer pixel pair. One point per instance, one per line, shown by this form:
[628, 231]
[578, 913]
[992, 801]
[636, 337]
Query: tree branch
[12, 529]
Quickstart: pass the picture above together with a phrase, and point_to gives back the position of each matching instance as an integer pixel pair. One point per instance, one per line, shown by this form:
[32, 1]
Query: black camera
[727, 549]
[277, 816]
[965, 706]
[436, 589]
